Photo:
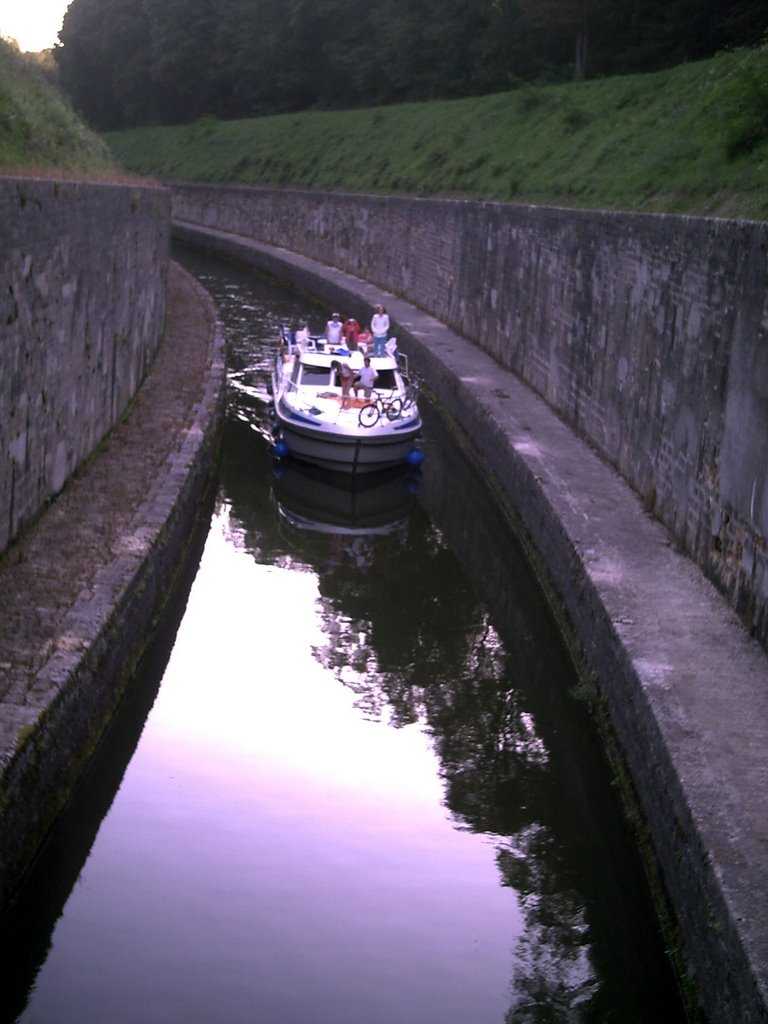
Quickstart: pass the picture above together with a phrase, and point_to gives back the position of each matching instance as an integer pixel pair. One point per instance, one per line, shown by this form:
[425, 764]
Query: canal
[355, 780]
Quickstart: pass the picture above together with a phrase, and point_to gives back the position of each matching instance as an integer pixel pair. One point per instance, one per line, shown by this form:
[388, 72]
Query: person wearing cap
[333, 331]
[379, 329]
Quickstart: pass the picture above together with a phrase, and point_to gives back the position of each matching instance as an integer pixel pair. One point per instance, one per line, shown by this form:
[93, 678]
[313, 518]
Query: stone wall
[82, 308]
[648, 334]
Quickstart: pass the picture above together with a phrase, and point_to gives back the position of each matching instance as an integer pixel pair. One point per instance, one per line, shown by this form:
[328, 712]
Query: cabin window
[317, 376]
[386, 380]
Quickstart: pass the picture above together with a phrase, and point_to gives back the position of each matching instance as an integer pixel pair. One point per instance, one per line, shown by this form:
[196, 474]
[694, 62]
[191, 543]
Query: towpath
[65, 571]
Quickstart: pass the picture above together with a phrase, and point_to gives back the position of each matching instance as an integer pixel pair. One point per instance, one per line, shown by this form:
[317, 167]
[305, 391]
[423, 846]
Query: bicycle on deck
[391, 406]
[380, 405]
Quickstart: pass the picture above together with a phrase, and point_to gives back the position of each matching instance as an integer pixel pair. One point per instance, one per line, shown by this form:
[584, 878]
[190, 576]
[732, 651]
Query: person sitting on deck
[364, 339]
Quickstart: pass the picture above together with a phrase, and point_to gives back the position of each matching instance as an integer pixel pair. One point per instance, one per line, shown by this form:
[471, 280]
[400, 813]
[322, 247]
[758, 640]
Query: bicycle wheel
[394, 408]
[369, 415]
[409, 400]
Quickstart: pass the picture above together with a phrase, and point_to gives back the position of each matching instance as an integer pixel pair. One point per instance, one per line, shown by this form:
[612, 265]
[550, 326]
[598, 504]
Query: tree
[184, 57]
[132, 62]
[102, 57]
[568, 15]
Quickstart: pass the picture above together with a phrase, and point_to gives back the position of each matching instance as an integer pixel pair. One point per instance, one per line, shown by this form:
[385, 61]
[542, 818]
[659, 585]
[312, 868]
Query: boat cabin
[317, 372]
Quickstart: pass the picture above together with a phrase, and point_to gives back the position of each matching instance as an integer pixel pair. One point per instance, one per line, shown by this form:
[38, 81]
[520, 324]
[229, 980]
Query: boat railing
[319, 343]
[312, 343]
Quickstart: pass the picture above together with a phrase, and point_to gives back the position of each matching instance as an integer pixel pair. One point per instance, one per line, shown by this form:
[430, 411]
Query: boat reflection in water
[352, 509]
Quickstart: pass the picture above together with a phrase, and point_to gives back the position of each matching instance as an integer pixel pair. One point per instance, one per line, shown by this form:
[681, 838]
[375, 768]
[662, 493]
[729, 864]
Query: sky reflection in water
[273, 845]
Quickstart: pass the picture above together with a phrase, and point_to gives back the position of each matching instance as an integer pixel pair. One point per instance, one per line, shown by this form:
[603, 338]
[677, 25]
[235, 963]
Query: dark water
[352, 782]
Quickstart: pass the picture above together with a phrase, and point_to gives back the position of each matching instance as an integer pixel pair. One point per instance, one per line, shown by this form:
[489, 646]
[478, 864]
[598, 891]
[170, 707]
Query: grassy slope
[39, 133]
[645, 142]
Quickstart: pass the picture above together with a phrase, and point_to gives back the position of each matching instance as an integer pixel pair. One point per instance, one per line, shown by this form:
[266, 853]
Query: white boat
[315, 423]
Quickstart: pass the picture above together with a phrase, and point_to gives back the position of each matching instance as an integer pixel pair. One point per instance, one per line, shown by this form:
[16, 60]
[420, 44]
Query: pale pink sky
[34, 24]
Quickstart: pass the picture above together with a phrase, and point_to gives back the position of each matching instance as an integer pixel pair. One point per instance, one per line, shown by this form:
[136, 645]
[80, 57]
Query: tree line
[127, 63]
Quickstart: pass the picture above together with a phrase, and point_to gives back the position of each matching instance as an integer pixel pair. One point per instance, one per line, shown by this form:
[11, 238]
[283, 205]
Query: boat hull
[359, 453]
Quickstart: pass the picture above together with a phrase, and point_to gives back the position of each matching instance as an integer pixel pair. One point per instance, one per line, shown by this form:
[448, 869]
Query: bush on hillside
[38, 128]
[746, 103]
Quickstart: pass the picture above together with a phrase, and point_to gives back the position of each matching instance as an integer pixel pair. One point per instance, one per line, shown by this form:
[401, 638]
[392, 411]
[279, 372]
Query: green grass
[658, 142]
[39, 132]
[693, 139]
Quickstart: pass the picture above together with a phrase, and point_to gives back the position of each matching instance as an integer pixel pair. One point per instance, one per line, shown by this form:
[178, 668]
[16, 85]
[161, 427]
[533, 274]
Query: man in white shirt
[366, 378]
[333, 331]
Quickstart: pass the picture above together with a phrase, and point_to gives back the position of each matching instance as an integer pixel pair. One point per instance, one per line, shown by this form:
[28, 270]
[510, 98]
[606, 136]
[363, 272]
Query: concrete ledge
[684, 686]
[57, 695]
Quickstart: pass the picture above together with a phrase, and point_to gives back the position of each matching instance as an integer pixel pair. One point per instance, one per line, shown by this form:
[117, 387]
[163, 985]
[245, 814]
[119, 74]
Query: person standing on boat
[351, 332]
[333, 331]
[366, 378]
[301, 340]
[347, 376]
[379, 329]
